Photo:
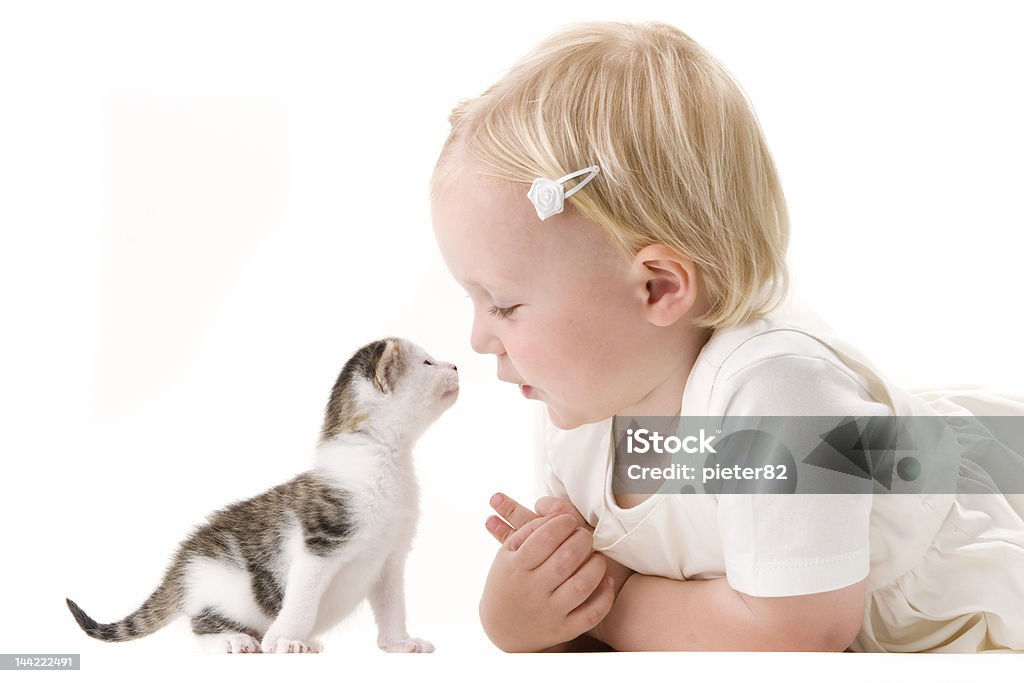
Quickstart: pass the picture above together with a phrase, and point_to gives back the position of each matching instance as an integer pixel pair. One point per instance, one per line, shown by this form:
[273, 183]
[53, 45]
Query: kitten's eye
[502, 313]
[427, 362]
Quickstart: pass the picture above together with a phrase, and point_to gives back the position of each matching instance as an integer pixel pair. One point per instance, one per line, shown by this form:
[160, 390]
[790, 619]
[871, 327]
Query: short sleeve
[795, 544]
[546, 483]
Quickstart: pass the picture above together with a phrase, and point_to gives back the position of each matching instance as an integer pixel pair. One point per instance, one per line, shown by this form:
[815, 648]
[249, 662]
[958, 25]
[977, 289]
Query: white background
[207, 207]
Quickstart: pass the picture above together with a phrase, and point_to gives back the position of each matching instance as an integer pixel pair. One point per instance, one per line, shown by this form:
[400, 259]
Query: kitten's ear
[387, 367]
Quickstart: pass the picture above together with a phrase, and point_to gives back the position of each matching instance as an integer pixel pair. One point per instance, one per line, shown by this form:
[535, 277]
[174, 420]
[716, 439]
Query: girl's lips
[526, 389]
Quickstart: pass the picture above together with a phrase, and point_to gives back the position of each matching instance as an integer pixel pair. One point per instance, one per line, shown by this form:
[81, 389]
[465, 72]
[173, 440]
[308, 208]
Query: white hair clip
[548, 196]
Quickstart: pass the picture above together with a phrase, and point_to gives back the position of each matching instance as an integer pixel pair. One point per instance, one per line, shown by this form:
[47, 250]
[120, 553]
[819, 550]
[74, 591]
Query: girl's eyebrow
[471, 284]
[471, 287]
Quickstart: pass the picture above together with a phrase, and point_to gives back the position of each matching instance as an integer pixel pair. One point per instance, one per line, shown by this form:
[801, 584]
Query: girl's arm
[655, 613]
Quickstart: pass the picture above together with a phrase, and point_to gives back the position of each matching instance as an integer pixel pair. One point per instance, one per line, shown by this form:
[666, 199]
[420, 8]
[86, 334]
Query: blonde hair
[682, 157]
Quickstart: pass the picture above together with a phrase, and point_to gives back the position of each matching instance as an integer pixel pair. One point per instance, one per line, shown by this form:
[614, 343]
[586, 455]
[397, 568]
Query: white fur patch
[210, 583]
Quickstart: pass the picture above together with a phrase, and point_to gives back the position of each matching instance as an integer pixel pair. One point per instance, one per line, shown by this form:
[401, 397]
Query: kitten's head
[391, 384]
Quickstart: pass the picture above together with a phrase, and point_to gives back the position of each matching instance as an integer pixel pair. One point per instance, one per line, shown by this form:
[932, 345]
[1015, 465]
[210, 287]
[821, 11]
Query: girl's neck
[666, 398]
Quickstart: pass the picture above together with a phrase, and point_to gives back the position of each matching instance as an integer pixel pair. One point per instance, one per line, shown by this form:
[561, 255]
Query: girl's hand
[519, 515]
[546, 585]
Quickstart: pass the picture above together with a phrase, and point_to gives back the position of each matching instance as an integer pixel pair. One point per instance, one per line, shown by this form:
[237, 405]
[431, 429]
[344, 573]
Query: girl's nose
[481, 339]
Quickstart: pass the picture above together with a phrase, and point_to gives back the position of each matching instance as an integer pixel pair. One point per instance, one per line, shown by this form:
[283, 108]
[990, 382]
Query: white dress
[945, 571]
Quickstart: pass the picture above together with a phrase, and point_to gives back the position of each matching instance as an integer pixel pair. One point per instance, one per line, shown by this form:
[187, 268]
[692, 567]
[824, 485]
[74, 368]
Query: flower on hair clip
[548, 196]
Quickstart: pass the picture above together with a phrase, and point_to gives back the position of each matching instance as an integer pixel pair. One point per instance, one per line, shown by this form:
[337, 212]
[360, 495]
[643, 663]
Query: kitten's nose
[454, 368]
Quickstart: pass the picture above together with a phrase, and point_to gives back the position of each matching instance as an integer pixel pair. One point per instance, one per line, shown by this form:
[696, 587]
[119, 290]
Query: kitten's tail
[157, 611]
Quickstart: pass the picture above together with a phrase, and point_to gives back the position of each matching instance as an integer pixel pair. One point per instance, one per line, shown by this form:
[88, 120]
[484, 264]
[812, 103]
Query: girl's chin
[572, 421]
[561, 421]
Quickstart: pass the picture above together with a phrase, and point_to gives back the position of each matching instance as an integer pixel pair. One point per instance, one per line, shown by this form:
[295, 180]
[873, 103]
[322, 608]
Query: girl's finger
[580, 585]
[498, 528]
[515, 540]
[512, 512]
[545, 539]
[566, 559]
[551, 505]
[594, 609]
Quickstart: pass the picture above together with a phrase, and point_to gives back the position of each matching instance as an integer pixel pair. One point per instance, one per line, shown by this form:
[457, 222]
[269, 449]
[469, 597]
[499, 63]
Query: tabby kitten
[273, 572]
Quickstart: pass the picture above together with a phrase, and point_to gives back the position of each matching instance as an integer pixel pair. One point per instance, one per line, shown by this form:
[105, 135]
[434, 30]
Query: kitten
[273, 572]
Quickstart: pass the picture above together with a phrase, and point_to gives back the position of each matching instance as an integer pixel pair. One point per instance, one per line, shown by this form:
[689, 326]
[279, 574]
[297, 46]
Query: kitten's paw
[405, 645]
[287, 645]
[242, 644]
[230, 643]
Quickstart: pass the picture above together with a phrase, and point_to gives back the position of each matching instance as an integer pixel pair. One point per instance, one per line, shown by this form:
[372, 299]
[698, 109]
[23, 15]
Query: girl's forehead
[483, 260]
[490, 235]
[485, 231]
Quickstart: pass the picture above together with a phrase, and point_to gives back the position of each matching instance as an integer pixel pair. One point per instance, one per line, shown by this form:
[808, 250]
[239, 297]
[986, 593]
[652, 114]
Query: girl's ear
[387, 367]
[670, 280]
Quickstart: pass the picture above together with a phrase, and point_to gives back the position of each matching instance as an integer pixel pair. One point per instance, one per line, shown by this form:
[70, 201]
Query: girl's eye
[502, 313]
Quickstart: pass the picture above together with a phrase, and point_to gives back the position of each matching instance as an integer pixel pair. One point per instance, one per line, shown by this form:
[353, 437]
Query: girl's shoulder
[788, 373]
[791, 328]
[781, 348]
[789, 362]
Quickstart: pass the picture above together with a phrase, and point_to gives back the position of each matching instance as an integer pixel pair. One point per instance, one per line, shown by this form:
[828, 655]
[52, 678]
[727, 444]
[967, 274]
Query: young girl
[613, 211]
